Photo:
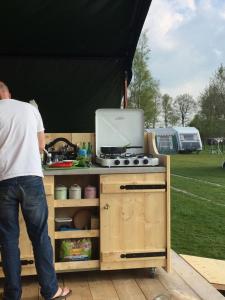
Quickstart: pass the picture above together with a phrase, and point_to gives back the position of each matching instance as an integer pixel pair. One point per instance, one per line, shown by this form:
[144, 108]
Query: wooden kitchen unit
[133, 205]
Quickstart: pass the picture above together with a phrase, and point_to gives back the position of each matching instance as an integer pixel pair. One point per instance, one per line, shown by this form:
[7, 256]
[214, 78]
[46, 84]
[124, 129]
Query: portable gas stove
[127, 160]
[116, 128]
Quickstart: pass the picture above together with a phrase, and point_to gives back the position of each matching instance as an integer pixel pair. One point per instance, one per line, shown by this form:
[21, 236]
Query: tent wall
[71, 56]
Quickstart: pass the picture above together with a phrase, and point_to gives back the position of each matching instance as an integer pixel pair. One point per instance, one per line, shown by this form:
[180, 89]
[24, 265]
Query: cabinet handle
[106, 206]
[142, 186]
[23, 262]
[145, 254]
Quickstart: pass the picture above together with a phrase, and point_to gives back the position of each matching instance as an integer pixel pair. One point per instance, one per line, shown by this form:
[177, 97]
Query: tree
[211, 118]
[213, 103]
[168, 113]
[185, 106]
[144, 89]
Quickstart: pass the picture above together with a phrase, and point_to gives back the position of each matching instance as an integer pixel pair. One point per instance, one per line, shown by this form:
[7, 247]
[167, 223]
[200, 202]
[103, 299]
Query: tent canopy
[70, 56]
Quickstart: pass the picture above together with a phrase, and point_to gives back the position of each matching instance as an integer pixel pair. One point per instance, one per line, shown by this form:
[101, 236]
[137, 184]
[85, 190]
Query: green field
[198, 204]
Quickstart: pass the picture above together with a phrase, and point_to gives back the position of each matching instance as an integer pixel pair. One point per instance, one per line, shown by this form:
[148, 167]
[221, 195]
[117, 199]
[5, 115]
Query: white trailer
[177, 139]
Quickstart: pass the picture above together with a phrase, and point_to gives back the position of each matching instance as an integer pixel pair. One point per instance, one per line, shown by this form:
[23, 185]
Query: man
[21, 141]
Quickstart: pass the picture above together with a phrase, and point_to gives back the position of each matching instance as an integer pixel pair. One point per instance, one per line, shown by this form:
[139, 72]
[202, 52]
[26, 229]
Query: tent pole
[125, 100]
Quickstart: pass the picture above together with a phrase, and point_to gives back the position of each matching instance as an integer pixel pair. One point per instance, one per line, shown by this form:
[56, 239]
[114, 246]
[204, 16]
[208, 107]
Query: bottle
[84, 146]
[89, 152]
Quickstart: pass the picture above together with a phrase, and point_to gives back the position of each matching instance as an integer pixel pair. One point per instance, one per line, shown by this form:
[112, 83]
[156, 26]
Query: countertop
[102, 170]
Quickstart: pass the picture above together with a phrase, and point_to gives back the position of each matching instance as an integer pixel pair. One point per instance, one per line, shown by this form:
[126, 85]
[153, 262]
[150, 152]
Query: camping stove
[118, 129]
[127, 160]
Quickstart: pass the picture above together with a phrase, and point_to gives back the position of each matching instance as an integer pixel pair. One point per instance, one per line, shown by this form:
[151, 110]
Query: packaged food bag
[75, 249]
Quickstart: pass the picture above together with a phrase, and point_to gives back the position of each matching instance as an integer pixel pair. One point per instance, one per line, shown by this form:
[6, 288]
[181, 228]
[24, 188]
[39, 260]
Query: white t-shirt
[19, 150]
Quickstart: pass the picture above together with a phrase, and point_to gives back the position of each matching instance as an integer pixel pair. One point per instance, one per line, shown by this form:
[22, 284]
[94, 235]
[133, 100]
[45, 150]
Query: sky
[187, 42]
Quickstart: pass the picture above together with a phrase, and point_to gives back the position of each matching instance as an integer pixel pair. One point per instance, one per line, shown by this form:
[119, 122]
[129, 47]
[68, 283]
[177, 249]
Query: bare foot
[62, 292]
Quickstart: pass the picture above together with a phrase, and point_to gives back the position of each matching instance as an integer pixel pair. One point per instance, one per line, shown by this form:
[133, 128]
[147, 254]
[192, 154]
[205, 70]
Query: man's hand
[41, 140]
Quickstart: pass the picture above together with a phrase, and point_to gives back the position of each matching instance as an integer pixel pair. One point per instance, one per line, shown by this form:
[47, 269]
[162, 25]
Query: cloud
[218, 53]
[165, 18]
[162, 21]
[206, 5]
[191, 87]
[186, 41]
[185, 4]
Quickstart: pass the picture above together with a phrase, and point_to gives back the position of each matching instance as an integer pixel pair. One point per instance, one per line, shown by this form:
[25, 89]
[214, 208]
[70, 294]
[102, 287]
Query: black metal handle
[134, 147]
[23, 262]
[143, 187]
[61, 139]
[143, 254]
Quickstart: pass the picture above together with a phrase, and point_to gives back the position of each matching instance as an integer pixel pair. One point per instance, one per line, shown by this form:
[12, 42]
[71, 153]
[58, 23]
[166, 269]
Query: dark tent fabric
[70, 56]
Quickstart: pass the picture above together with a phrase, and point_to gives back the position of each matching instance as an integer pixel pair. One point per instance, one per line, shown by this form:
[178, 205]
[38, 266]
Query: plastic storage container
[63, 223]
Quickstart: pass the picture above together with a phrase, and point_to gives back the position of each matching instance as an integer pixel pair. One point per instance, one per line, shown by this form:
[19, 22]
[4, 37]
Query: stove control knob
[117, 162]
[145, 161]
[126, 162]
[136, 161]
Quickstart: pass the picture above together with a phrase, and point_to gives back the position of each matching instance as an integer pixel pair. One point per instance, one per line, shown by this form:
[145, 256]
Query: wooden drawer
[132, 183]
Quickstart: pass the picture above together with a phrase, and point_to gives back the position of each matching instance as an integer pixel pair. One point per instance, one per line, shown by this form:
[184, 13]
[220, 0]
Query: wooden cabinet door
[133, 230]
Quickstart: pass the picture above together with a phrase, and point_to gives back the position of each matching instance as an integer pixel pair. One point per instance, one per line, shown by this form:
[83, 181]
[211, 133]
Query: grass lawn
[198, 204]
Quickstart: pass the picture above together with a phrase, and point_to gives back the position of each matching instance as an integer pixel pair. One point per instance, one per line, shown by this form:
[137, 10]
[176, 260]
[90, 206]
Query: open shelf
[76, 234]
[77, 265]
[76, 202]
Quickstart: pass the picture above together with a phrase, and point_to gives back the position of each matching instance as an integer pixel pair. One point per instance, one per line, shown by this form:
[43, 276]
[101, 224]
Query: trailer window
[188, 137]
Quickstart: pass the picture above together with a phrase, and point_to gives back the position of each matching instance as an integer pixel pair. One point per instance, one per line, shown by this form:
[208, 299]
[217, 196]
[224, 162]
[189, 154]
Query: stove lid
[118, 128]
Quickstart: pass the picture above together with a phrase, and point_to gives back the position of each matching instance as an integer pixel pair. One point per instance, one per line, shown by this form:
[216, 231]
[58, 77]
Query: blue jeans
[28, 192]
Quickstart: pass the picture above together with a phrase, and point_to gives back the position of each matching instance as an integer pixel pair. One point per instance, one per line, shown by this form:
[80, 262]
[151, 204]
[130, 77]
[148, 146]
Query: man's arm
[41, 140]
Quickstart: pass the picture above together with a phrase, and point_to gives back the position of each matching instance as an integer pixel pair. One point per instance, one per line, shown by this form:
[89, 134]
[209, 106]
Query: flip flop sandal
[61, 296]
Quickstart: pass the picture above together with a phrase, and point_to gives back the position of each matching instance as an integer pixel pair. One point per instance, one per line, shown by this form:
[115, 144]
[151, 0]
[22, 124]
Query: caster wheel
[152, 272]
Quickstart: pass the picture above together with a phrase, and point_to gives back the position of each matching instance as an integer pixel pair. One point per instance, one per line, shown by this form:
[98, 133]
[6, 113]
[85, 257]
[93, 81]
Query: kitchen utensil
[60, 192]
[67, 152]
[82, 218]
[117, 150]
[75, 192]
[61, 164]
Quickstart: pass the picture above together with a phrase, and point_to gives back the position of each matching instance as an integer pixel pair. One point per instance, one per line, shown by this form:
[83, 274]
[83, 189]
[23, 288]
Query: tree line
[207, 112]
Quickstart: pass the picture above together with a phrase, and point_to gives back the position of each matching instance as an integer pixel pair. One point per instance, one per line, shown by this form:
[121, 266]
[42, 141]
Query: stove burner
[126, 160]
[125, 155]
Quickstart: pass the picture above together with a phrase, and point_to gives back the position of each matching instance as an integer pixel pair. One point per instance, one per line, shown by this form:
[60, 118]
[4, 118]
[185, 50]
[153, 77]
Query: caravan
[177, 139]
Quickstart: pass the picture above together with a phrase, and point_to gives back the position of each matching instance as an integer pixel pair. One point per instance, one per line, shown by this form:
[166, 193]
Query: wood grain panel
[132, 222]
[112, 183]
[151, 263]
